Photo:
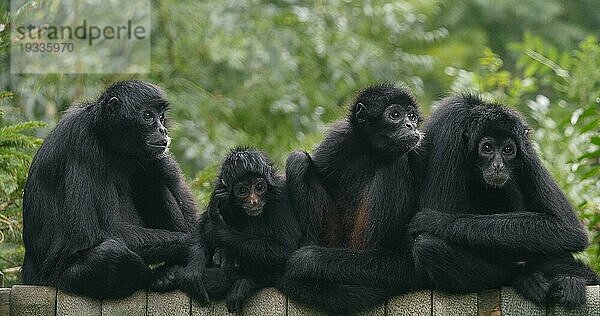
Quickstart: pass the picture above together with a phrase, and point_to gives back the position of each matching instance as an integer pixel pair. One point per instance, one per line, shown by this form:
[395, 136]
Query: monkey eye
[259, 187]
[147, 116]
[507, 149]
[412, 117]
[242, 191]
[487, 148]
[162, 117]
[394, 115]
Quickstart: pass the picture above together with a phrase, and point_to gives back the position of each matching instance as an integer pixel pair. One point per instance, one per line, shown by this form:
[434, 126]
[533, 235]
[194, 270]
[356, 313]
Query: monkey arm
[182, 193]
[183, 207]
[548, 226]
[153, 245]
[519, 233]
[384, 268]
[260, 249]
[307, 195]
[191, 276]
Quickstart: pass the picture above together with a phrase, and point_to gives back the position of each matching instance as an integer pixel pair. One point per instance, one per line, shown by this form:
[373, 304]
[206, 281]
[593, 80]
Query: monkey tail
[334, 298]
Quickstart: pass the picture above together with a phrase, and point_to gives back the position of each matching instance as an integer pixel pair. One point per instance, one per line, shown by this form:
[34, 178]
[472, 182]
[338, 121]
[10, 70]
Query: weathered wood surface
[21, 300]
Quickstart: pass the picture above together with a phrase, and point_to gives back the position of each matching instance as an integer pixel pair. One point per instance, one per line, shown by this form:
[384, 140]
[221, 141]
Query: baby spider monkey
[250, 220]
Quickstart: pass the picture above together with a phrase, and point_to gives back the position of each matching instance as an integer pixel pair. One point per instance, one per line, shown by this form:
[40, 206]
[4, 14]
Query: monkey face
[387, 116]
[394, 129]
[134, 119]
[250, 194]
[495, 159]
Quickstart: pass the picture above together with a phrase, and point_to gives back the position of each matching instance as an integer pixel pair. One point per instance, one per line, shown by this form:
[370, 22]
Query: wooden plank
[173, 303]
[450, 304]
[295, 308]
[488, 303]
[70, 304]
[591, 308]
[212, 309]
[411, 304]
[130, 306]
[4, 301]
[514, 304]
[28, 300]
[266, 301]
[375, 311]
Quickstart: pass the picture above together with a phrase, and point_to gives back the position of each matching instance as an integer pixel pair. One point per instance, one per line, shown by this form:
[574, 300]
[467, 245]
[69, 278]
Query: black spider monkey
[250, 219]
[104, 198]
[357, 192]
[488, 202]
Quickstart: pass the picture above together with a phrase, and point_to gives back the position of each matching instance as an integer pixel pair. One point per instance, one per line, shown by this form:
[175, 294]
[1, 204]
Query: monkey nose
[498, 167]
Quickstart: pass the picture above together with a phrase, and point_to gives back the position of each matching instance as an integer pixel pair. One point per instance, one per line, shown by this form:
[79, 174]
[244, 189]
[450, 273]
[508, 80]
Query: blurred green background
[272, 74]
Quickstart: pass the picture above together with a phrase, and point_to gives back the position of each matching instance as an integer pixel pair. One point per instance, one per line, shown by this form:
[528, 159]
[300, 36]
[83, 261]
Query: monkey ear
[112, 105]
[360, 112]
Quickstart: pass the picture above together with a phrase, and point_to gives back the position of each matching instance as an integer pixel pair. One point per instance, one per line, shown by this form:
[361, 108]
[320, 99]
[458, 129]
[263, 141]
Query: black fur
[470, 235]
[357, 192]
[256, 248]
[104, 198]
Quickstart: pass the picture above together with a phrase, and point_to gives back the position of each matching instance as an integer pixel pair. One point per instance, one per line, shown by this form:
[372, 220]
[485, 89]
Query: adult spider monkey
[488, 202]
[357, 191]
[105, 199]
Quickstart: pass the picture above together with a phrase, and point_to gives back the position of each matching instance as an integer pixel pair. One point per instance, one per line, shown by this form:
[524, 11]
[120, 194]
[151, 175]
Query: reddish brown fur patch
[334, 228]
[358, 236]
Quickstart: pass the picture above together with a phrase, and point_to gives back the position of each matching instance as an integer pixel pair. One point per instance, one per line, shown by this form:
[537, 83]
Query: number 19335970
[46, 47]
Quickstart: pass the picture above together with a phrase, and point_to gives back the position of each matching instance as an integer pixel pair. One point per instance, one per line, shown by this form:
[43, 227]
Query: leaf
[17, 128]
[593, 154]
[590, 126]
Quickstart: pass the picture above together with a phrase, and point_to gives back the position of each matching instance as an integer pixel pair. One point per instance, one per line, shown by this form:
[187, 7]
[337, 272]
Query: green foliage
[15, 157]
[559, 93]
[271, 74]
[16, 148]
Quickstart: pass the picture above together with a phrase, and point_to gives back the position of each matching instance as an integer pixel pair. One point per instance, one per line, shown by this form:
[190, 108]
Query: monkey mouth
[158, 147]
[160, 144]
[417, 143]
[406, 141]
[495, 180]
[414, 139]
[254, 210]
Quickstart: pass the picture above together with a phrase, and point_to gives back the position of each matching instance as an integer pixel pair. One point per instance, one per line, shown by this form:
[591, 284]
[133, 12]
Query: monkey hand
[216, 202]
[221, 193]
[191, 281]
[430, 221]
[568, 290]
[534, 287]
[164, 278]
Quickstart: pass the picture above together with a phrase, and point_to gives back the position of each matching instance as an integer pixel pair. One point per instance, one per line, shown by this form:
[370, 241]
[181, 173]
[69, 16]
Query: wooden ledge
[21, 300]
